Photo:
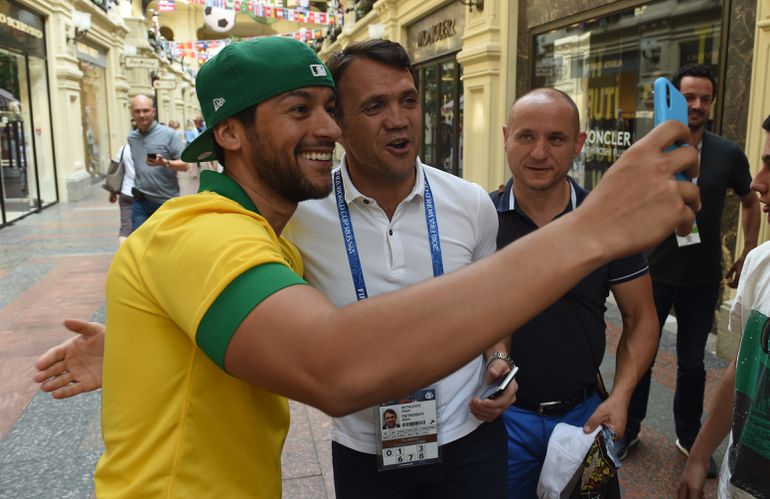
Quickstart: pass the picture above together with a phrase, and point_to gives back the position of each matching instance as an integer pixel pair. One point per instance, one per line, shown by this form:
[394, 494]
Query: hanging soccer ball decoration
[219, 20]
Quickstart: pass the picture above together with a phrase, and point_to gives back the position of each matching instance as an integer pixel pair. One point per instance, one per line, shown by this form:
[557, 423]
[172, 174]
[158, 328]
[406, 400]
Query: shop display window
[43, 138]
[27, 169]
[93, 103]
[441, 93]
[608, 64]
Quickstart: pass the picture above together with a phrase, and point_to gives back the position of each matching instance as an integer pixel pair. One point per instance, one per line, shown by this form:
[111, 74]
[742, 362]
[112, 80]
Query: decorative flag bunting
[200, 50]
[261, 10]
[166, 5]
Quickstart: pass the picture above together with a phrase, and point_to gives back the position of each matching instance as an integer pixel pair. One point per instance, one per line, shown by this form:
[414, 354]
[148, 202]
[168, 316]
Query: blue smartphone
[669, 104]
[499, 385]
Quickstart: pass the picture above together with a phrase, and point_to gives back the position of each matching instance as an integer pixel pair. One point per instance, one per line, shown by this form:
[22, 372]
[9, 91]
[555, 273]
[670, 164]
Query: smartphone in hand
[152, 155]
[669, 104]
[496, 388]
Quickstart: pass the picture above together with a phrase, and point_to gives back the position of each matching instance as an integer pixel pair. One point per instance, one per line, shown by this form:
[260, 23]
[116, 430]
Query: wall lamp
[81, 23]
[479, 4]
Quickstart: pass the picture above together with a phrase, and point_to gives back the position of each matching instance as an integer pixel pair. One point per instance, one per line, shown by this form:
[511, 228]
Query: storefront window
[428, 77]
[608, 66]
[441, 92]
[14, 138]
[93, 102]
[27, 169]
[41, 117]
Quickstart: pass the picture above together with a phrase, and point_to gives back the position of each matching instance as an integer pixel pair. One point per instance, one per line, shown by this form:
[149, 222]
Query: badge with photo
[407, 431]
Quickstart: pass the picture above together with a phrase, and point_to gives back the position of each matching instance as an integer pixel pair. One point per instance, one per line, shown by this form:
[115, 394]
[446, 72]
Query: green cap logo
[319, 70]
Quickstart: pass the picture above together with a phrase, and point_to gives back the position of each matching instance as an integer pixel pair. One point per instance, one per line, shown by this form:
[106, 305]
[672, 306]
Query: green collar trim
[225, 186]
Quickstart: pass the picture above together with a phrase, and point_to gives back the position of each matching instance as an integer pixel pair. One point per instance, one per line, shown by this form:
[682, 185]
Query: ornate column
[138, 78]
[387, 14]
[66, 76]
[487, 74]
[119, 115]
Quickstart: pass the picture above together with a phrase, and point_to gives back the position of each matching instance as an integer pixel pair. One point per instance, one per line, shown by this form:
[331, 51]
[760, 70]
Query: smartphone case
[669, 104]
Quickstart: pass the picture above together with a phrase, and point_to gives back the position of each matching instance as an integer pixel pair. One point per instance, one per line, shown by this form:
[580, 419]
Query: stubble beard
[544, 187]
[285, 179]
[695, 128]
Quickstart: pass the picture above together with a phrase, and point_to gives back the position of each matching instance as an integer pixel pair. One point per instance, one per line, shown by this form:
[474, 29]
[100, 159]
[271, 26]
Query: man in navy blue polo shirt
[559, 351]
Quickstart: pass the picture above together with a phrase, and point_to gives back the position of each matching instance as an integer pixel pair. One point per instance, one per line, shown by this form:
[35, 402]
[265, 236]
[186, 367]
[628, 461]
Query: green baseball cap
[246, 73]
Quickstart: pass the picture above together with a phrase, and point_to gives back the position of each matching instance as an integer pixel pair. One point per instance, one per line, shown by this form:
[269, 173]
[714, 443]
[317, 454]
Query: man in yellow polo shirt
[211, 326]
[174, 422]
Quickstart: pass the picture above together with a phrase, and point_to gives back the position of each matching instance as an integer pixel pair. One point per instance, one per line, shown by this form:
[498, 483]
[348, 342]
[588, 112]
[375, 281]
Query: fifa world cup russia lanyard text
[349, 237]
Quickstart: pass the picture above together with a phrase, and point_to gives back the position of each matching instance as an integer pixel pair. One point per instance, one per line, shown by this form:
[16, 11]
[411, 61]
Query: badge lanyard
[694, 235]
[409, 433]
[349, 236]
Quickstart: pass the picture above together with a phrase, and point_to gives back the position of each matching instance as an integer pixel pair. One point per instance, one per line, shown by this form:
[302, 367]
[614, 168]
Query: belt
[138, 194]
[555, 407]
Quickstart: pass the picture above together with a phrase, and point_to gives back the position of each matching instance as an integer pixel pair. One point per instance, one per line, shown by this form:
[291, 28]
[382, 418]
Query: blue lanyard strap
[349, 236]
[432, 223]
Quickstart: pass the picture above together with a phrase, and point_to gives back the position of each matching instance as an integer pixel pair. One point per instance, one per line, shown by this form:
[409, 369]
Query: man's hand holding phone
[155, 159]
[670, 104]
[498, 393]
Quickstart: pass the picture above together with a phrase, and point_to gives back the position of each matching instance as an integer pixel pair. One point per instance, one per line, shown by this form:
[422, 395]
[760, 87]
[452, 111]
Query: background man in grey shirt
[155, 149]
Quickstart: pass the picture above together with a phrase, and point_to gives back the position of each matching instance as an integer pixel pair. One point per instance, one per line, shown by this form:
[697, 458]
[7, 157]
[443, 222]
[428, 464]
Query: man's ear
[230, 134]
[579, 141]
[338, 119]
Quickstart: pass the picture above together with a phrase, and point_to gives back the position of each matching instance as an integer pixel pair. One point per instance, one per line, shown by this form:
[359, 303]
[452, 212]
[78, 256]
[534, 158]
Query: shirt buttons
[390, 232]
[366, 201]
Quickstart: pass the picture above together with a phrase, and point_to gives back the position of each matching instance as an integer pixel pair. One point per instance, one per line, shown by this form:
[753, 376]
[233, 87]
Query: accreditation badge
[694, 236]
[690, 239]
[407, 431]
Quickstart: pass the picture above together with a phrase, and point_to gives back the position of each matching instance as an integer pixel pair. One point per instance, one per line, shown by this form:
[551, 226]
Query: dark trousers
[472, 466]
[125, 203]
[694, 307]
[141, 210]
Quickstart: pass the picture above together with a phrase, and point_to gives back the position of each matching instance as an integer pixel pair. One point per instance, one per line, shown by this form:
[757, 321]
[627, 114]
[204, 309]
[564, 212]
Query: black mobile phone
[152, 155]
[499, 385]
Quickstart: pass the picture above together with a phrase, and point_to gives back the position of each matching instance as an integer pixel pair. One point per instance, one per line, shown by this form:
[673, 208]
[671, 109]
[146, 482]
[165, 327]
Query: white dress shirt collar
[352, 193]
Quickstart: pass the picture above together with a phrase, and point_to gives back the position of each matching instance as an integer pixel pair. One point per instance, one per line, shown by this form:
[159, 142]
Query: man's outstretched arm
[339, 361]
